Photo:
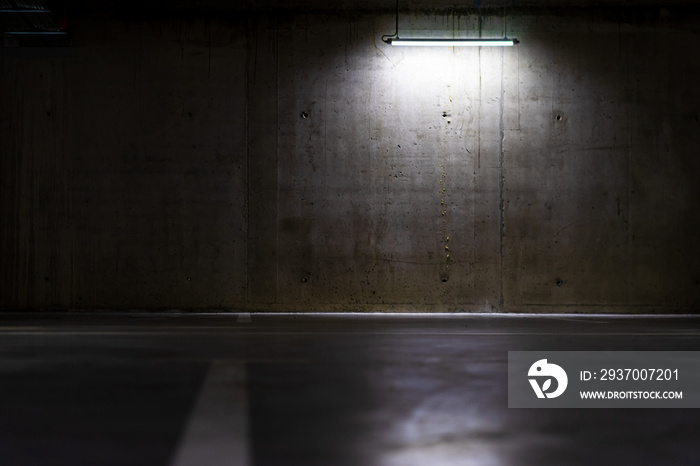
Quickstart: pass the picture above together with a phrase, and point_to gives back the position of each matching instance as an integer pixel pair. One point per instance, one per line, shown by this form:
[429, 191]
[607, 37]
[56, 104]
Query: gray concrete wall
[295, 162]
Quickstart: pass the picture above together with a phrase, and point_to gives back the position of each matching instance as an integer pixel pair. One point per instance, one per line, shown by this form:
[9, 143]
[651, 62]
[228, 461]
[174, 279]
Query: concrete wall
[293, 161]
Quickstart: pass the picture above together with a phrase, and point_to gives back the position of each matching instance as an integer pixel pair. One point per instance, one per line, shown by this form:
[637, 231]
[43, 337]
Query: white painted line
[217, 431]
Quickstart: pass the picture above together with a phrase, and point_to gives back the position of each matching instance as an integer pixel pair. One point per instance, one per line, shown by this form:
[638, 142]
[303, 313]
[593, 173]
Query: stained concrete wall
[293, 161]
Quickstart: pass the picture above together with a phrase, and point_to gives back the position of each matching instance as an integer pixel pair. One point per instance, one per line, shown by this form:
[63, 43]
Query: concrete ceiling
[329, 5]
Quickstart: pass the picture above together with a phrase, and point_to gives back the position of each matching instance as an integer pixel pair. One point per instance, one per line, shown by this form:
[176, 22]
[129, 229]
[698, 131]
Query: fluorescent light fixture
[394, 39]
[34, 33]
[451, 42]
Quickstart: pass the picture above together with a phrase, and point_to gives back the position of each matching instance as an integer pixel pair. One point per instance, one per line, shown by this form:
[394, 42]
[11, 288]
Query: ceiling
[18, 18]
[328, 5]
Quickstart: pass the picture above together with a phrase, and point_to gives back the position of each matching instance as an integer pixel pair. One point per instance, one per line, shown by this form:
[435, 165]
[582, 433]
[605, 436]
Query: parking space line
[217, 431]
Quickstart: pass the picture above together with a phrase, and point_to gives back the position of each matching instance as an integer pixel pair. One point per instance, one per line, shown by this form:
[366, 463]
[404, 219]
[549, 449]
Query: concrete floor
[181, 389]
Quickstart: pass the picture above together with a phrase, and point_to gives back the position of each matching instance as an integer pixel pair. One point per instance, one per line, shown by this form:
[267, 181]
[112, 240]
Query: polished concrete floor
[182, 389]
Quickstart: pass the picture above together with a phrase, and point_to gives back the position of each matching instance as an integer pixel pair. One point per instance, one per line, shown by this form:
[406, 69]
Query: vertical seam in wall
[477, 169]
[246, 211]
[501, 181]
[630, 154]
[70, 217]
[478, 130]
[277, 165]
